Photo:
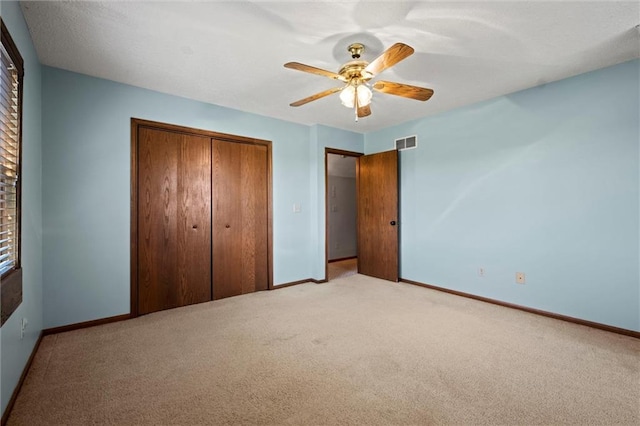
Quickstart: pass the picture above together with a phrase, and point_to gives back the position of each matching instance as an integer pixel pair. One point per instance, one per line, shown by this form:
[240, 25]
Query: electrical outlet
[520, 278]
[481, 272]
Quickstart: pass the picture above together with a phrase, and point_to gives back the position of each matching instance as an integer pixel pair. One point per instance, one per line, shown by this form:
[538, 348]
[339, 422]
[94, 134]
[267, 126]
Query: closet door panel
[174, 217]
[227, 247]
[254, 218]
[194, 216]
[240, 258]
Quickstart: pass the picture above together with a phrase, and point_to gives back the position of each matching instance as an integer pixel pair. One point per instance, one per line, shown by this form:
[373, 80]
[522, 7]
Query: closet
[200, 216]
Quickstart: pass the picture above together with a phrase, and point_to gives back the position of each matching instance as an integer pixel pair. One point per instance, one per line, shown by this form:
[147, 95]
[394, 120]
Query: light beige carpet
[343, 269]
[354, 351]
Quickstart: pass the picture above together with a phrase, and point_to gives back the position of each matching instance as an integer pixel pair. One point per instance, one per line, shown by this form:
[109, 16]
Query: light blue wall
[14, 351]
[543, 181]
[86, 198]
[324, 137]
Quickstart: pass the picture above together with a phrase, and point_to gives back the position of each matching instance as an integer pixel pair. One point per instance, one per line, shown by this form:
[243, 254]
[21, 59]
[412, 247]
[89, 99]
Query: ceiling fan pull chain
[355, 102]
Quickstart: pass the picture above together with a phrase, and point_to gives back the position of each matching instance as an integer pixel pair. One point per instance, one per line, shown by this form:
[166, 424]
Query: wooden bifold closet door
[239, 233]
[174, 223]
[200, 216]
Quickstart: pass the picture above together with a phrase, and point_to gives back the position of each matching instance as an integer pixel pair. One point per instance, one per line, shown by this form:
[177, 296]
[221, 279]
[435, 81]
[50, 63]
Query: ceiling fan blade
[389, 58]
[364, 111]
[404, 90]
[315, 97]
[313, 70]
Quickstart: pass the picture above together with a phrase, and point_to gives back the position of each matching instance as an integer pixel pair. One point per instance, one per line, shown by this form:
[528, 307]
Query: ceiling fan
[356, 75]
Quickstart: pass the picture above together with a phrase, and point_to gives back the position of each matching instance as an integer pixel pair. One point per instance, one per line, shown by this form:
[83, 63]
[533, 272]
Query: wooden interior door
[174, 219]
[377, 183]
[240, 218]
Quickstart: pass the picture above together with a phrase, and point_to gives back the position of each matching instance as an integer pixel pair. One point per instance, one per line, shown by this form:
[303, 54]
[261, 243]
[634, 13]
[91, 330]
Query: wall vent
[408, 142]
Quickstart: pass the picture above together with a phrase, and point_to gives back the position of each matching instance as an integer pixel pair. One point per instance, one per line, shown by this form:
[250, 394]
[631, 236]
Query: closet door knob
[227, 226]
[195, 226]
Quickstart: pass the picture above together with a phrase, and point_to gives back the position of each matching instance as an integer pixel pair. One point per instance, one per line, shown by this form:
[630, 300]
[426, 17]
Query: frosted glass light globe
[347, 96]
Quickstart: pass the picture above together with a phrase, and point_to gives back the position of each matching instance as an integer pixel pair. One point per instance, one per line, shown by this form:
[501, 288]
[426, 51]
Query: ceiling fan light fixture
[349, 93]
[356, 75]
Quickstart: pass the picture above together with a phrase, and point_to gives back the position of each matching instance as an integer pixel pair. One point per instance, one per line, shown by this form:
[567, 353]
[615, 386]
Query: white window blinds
[10, 129]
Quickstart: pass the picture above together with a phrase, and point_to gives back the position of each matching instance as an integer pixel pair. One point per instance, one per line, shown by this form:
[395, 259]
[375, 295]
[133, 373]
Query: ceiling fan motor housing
[354, 70]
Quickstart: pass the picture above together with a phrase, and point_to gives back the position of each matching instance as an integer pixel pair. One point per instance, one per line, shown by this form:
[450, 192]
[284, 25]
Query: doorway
[341, 212]
[377, 236]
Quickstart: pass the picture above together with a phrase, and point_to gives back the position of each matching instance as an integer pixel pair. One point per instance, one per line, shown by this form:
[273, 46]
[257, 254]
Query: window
[11, 75]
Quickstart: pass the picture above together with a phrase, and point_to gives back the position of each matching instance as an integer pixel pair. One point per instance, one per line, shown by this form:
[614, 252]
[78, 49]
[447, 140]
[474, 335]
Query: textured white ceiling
[232, 53]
